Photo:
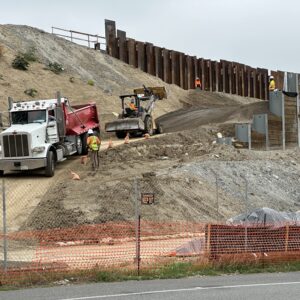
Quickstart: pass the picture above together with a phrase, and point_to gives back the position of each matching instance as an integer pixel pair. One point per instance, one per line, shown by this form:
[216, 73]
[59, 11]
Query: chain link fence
[136, 223]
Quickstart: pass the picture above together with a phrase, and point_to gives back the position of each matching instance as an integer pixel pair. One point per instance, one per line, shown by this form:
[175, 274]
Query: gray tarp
[267, 216]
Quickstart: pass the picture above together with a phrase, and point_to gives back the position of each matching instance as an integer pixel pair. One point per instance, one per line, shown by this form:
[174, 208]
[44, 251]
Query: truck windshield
[25, 117]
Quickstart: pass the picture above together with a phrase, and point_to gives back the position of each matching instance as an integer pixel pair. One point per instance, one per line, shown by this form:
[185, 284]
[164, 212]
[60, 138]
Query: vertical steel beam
[110, 36]
[141, 56]
[190, 72]
[230, 79]
[210, 74]
[158, 62]
[150, 59]
[218, 76]
[131, 45]
[175, 68]
[182, 70]
[203, 68]
[213, 76]
[123, 53]
[166, 66]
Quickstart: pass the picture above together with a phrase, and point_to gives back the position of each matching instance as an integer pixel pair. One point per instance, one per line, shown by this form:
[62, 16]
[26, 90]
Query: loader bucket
[130, 124]
[159, 91]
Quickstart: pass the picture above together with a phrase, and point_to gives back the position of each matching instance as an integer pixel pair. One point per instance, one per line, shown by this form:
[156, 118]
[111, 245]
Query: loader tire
[159, 128]
[50, 168]
[1, 173]
[121, 134]
[148, 125]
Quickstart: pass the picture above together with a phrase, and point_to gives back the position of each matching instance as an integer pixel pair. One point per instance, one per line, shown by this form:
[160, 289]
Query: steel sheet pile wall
[181, 69]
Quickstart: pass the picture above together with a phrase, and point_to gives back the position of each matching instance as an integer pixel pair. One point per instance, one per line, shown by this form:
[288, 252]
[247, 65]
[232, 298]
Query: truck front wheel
[49, 170]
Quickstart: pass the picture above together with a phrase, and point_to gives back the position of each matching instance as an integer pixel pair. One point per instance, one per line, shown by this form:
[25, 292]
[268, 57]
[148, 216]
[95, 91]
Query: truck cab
[44, 132]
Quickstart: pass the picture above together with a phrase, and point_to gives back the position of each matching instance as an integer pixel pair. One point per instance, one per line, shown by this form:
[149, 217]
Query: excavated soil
[179, 166]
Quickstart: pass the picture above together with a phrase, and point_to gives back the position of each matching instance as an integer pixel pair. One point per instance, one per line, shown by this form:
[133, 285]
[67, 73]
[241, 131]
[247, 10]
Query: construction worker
[198, 83]
[272, 84]
[93, 143]
[132, 105]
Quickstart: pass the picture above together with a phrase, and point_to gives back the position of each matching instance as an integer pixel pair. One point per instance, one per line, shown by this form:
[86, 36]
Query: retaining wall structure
[181, 69]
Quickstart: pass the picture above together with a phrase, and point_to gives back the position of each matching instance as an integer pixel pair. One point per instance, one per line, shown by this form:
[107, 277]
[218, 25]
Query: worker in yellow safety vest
[272, 84]
[93, 143]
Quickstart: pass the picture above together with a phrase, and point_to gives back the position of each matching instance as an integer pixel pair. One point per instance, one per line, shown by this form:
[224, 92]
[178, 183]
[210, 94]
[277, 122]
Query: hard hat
[271, 77]
[90, 131]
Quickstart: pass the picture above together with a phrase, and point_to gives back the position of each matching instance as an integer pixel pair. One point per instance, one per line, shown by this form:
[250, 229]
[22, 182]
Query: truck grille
[15, 145]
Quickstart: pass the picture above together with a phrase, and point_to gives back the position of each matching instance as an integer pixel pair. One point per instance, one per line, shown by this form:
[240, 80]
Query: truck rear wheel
[78, 144]
[49, 170]
[84, 144]
[148, 125]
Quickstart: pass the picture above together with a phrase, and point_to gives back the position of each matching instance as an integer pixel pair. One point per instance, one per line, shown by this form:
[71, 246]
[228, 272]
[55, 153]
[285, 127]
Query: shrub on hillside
[1, 51]
[30, 92]
[55, 67]
[20, 63]
[91, 82]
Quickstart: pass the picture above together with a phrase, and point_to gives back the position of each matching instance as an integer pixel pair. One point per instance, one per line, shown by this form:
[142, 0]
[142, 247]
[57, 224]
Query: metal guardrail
[96, 41]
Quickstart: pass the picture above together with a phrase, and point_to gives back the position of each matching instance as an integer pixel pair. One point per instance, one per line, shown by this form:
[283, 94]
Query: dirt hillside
[178, 166]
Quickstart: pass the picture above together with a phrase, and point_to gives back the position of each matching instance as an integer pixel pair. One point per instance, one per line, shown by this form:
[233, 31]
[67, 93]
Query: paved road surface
[276, 286]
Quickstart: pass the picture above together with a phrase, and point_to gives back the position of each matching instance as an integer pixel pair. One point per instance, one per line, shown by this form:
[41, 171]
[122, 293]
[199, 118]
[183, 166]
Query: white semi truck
[44, 132]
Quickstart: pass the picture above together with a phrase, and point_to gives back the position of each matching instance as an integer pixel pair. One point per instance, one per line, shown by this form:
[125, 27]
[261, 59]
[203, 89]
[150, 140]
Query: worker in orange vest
[198, 83]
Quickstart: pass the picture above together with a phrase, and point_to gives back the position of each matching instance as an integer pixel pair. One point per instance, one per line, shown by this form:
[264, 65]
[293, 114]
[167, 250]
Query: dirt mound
[176, 166]
[195, 116]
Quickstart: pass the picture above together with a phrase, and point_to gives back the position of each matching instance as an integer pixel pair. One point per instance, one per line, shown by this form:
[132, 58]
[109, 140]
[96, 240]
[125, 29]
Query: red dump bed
[81, 118]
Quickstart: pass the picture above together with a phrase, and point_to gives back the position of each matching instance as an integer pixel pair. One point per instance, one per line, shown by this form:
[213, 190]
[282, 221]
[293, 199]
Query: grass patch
[170, 271]
[91, 82]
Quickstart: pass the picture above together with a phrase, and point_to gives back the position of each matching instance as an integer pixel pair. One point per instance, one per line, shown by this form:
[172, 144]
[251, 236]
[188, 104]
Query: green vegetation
[1, 51]
[55, 67]
[30, 92]
[22, 60]
[91, 82]
[20, 63]
[174, 270]
[72, 79]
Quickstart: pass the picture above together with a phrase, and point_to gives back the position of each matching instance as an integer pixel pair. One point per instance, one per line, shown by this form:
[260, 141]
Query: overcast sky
[260, 33]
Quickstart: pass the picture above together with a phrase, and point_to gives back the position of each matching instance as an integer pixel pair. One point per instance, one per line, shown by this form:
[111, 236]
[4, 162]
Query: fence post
[217, 190]
[137, 226]
[208, 238]
[247, 211]
[286, 244]
[4, 226]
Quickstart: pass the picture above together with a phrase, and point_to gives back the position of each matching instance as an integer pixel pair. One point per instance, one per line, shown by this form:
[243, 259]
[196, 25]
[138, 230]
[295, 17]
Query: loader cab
[128, 100]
